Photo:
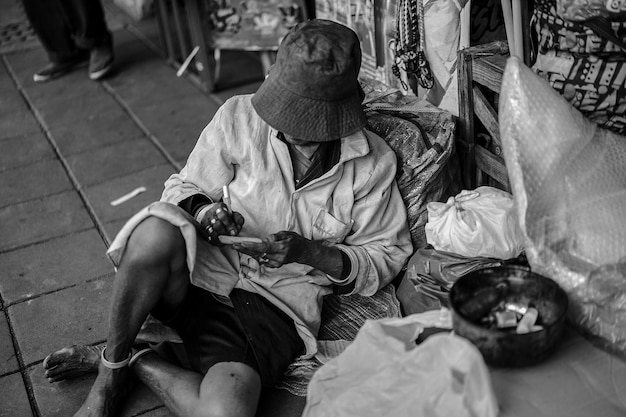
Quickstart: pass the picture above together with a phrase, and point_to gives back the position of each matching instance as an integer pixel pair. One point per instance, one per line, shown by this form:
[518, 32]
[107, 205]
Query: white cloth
[355, 206]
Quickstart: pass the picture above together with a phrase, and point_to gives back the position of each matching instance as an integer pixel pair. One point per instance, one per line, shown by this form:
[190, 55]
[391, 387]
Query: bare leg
[153, 270]
[228, 388]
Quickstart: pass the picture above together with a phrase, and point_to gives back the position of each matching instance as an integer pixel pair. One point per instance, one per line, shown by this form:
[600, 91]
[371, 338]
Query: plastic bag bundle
[568, 177]
[384, 373]
[476, 223]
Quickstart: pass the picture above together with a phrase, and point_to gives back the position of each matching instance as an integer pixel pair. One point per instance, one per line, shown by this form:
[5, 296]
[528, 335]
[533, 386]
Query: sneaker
[56, 69]
[100, 61]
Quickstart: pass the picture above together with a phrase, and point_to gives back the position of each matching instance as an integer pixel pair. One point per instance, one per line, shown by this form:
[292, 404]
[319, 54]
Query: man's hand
[277, 249]
[216, 220]
[286, 247]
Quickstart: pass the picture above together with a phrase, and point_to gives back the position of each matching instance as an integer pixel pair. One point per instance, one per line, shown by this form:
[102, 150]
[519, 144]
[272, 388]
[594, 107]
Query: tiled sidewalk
[67, 149]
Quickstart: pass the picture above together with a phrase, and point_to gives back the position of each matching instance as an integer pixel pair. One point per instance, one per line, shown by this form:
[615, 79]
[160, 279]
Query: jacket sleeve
[380, 241]
[209, 165]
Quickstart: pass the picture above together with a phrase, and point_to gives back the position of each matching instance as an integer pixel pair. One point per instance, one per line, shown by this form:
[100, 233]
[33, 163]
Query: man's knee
[229, 389]
[157, 239]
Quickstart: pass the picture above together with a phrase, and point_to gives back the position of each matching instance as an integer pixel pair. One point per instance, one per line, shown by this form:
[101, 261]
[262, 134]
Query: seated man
[316, 190]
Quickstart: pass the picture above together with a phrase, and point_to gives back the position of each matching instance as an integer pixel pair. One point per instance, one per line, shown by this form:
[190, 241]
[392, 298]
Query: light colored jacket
[355, 206]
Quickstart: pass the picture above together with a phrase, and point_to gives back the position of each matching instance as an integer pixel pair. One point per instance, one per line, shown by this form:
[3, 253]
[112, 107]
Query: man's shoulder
[239, 103]
[378, 147]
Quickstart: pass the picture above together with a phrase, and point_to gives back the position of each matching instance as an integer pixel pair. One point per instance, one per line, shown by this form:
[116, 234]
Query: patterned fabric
[342, 317]
[587, 70]
[423, 140]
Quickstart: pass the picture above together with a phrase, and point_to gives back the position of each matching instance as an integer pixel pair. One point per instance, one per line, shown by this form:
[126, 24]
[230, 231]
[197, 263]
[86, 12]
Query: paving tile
[12, 100]
[101, 195]
[85, 108]
[66, 89]
[75, 315]
[178, 125]
[6, 82]
[12, 387]
[8, 360]
[19, 121]
[25, 64]
[133, 59]
[52, 265]
[33, 181]
[113, 227]
[63, 399]
[43, 219]
[24, 149]
[114, 161]
[114, 126]
[139, 91]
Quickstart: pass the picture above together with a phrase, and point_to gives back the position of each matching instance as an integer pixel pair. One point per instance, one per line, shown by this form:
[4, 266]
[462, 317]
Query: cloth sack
[422, 137]
[476, 223]
[385, 373]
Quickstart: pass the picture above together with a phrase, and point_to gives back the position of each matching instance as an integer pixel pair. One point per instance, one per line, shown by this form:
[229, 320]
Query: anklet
[114, 365]
[138, 355]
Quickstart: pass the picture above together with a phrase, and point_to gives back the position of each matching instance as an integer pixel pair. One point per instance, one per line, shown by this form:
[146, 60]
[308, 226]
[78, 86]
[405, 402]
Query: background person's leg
[89, 30]
[48, 21]
[87, 21]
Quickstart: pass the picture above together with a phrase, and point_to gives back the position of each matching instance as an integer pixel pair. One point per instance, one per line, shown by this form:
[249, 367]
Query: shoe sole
[45, 78]
[96, 75]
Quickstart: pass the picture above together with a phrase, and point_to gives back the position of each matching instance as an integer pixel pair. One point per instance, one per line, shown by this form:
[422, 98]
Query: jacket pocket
[328, 228]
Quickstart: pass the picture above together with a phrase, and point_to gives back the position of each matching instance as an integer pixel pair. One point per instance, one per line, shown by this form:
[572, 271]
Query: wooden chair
[480, 69]
[189, 45]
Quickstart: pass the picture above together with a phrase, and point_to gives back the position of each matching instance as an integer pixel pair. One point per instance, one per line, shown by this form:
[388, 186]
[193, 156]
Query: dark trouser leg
[48, 21]
[88, 23]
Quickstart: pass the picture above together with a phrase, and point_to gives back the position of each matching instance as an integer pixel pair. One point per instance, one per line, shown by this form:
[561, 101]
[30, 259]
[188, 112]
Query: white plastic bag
[477, 223]
[384, 373]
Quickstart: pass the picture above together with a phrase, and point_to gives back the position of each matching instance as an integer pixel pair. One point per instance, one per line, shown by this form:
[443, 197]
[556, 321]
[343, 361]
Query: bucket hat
[312, 92]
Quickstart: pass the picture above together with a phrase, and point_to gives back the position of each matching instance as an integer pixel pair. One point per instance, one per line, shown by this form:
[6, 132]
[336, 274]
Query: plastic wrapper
[568, 177]
[442, 33]
[581, 10]
[385, 373]
[476, 223]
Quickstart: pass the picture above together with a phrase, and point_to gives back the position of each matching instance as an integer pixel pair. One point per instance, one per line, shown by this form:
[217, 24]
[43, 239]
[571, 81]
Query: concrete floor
[67, 149]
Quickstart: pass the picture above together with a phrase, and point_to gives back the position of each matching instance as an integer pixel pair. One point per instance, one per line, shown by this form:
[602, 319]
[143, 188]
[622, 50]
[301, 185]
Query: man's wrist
[202, 212]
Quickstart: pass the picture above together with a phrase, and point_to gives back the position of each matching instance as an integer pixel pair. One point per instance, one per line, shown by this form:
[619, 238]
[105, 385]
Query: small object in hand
[263, 258]
[229, 240]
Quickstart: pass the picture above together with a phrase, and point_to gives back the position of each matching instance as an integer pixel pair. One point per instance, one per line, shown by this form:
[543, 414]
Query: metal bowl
[475, 293]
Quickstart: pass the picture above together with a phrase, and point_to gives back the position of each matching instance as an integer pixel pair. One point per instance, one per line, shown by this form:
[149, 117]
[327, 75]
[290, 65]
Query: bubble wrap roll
[568, 178]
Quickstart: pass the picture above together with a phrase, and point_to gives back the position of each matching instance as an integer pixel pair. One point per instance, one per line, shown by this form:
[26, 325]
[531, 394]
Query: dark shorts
[252, 331]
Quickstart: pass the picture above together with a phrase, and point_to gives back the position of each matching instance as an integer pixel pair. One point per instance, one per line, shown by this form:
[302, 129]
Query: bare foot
[72, 362]
[107, 393]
